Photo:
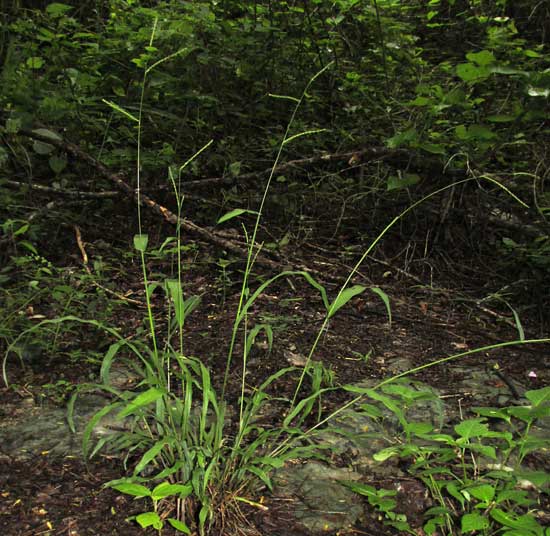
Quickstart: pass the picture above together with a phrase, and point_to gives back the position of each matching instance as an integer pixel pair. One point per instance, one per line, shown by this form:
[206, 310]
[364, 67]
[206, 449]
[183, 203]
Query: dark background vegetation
[447, 90]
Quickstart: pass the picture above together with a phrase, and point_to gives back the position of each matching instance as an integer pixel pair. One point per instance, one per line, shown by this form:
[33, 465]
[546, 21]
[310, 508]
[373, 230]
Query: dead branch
[59, 191]
[401, 157]
[120, 181]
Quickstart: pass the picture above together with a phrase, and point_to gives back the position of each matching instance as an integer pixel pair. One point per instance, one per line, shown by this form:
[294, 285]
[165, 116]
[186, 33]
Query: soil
[54, 495]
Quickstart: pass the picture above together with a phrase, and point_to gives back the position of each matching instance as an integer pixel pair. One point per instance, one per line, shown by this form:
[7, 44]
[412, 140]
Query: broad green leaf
[165, 489]
[453, 491]
[176, 295]
[508, 519]
[149, 519]
[140, 242]
[402, 138]
[471, 428]
[517, 496]
[235, 213]
[141, 400]
[481, 132]
[492, 413]
[57, 164]
[56, 9]
[481, 58]
[362, 489]
[398, 182]
[433, 148]
[384, 454]
[473, 522]
[486, 450]
[129, 488]
[344, 297]
[179, 525]
[484, 492]
[41, 148]
[35, 62]
[538, 396]
[418, 428]
[470, 72]
[204, 513]
[46, 133]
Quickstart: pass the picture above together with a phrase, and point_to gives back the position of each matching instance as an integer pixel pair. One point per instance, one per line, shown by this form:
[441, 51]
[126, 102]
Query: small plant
[157, 494]
[474, 473]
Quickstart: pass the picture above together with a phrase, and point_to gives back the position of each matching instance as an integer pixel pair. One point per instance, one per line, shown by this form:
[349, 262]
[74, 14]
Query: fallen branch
[59, 191]
[120, 181]
[401, 157]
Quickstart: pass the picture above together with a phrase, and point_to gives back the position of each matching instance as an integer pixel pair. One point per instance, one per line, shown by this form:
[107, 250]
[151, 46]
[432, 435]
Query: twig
[59, 191]
[82, 249]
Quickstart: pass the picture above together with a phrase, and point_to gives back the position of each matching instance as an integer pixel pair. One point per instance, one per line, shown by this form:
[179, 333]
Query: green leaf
[501, 118]
[470, 72]
[140, 242]
[484, 492]
[149, 519]
[385, 298]
[149, 456]
[178, 525]
[235, 169]
[143, 399]
[406, 137]
[107, 361]
[46, 133]
[538, 396]
[26, 244]
[525, 522]
[165, 489]
[35, 62]
[176, 295]
[471, 428]
[129, 488]
[39, 147]
[203, 515]
[56, 9]
[57, 164]
[121, 110]
[433, 148]
[404, 180]
[481, 58]
[234, 213]
[344, 297]
[473, 522]
[91, 424]
[385, 454]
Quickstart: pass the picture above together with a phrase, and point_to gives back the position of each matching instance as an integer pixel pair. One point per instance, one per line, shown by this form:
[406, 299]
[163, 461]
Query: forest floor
[43, 493]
